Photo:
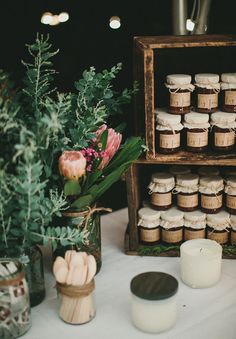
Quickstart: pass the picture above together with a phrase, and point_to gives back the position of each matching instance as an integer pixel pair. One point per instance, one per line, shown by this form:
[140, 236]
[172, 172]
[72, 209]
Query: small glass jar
[233, 230]
[196, 127]
[168, 136]
[223, 132]
[153, 301]
[160, 190]
[230, 194]
[194, 225]
[208, 171]
[15, 318]
[172, 222]
[211, 194]
[180, 88]
[228, 88]
[218, 227]
[178, 169]
[149, 226]
[187, 192]
[207, 89]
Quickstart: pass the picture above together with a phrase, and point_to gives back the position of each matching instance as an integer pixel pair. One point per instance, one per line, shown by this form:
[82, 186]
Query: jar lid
[222, 217]
[178, 169]
[172, 215]
[166, 119]
[229, 78]
[231, 181]
[211, 184]
[154, 285]
[223, 118]
[187, 181]
[195, 216]
[178, 79]
[148, 214]
[207, 78]
[163, 178]
[196, 118]
[208, 171]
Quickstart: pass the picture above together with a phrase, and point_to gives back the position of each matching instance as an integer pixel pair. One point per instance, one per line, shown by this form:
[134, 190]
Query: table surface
[202, 314]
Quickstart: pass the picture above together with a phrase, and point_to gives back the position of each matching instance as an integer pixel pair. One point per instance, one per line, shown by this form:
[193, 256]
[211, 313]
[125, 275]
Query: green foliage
[156, 250]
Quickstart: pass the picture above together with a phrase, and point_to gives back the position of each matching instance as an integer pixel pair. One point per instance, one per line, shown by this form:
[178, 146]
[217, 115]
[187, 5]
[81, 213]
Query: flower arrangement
[45, 136]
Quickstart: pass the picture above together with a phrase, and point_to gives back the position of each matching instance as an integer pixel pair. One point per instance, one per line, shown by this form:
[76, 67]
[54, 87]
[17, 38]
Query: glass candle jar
[194, 225]
[196, 127]
[178, 169]
[211, 194]
[153, 301]
[172, 222]
[233, 229]
[160, 190]
[200, 263]
[149, 226]
[218, 227]
[230, 194]
[207, 171]
[223, 132]
[180, 88]
[228, 88]
[187, 191]
[168, 136]
[207, 89]
[15, 318]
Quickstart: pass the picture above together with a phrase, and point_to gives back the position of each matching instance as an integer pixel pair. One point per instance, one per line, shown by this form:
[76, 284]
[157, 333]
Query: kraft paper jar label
[230, 98]
[207, 100]
[221, 237]
[180, 99]
[224, 139]
[172, 236]
[197, 139]
[170, 140]
[211, 202]
[163, 199]
[231, 201]
[150, 235]
[187, 200]
[196, 234]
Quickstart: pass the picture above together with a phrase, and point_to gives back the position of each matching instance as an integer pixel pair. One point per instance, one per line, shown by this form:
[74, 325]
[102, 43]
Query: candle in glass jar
[200, 262]
[153, 301]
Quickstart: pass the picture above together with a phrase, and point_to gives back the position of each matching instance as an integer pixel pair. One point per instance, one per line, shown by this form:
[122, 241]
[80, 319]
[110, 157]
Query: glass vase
[32, 260]
[93, 244]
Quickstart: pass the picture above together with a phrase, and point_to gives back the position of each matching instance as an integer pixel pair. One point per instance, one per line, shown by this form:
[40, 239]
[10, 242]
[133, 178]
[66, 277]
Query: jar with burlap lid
[218, 227]
[196, 131]
[160, 190]
[187, 191]
[230, 194]
[223, 131]
[211, 194]
[149, 226]
[207, 89]
[207, 171]
[194, 225]
[233, 229]
[180, 89]
[179, 169]
[172, 222]
[168, 133]
[228, 89]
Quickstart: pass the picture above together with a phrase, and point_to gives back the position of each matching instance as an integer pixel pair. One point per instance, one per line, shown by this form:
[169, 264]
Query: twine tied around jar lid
[208, 81]
[224, 120]
[166, 121]
[195, 219]
[230, 187]
[186, 183]
[161, 182]
[211, 185]
[176, 82]
[76, 291]
[233, 221]
[148, 217]
[172, 218]
[196, 120]
[228, 81]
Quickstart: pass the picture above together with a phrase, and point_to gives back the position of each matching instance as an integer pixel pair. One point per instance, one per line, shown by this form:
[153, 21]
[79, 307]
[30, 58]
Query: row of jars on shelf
[207, 88]
[174, 226]
[192, 192]
[196, 133]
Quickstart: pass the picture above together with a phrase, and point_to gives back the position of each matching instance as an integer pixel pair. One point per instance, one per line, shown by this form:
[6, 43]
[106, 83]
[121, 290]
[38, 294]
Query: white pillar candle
[200, 262]
[153, 301]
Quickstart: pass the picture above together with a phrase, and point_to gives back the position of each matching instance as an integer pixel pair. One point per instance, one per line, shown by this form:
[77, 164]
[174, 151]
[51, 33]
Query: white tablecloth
[202, 314]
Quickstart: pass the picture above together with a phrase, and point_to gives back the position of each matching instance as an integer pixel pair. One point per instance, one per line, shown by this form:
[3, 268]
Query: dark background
[87, 40]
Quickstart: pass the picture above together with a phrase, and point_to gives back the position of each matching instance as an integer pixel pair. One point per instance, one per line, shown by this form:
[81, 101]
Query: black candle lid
[154, 285]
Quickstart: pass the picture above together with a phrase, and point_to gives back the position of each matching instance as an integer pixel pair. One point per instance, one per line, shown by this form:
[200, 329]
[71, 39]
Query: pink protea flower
[112, 146]
[72, 165]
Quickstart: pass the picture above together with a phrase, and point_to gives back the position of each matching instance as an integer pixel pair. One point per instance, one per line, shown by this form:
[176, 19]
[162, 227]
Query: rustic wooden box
[154, 58]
